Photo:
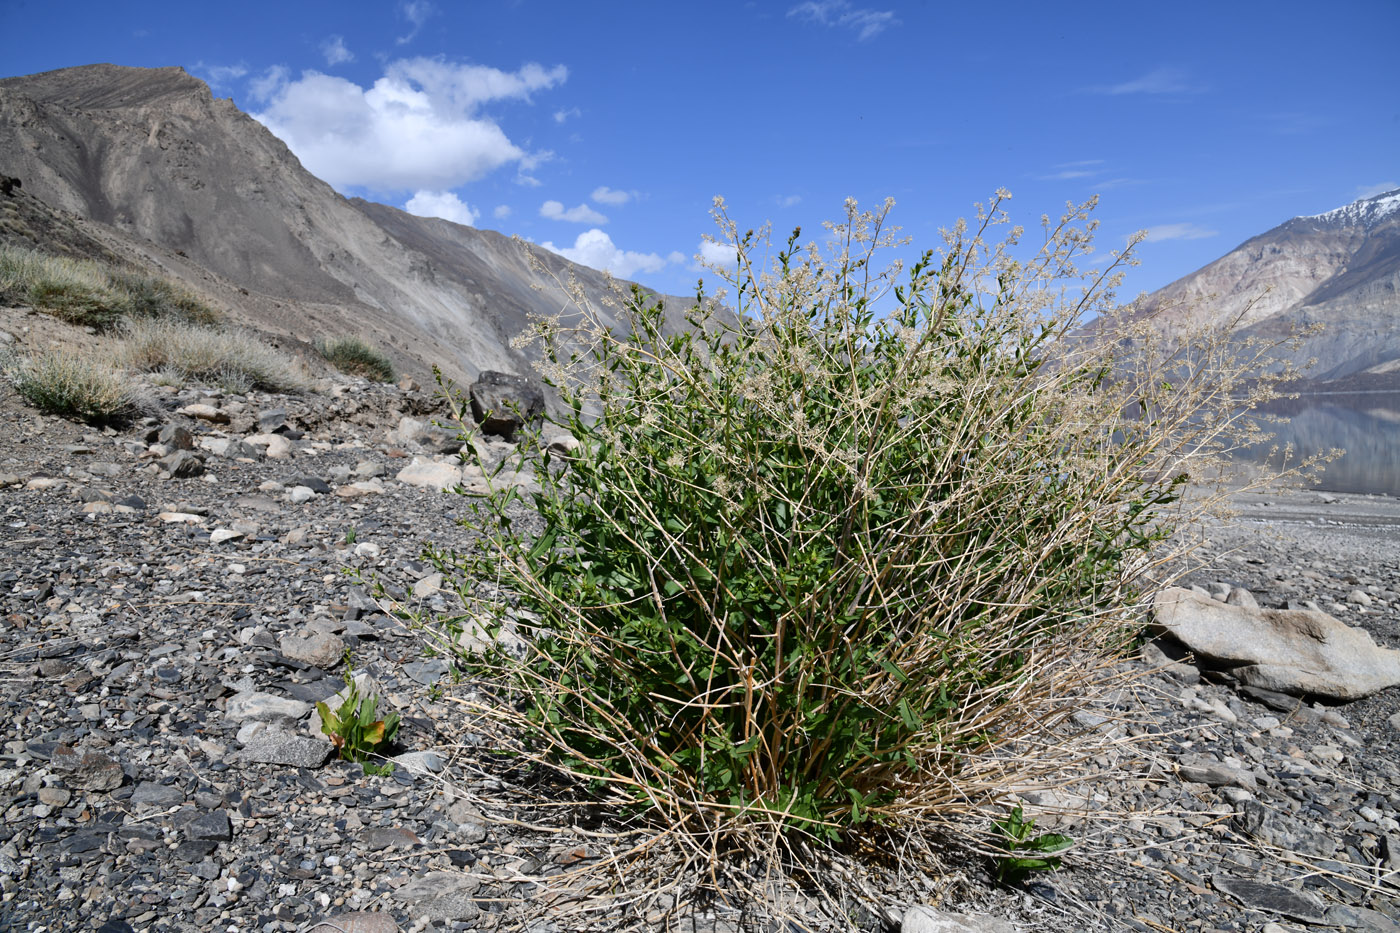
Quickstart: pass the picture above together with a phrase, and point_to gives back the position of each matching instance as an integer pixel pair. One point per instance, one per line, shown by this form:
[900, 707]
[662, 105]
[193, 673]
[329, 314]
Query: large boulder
[1302, 652]
[502, 403]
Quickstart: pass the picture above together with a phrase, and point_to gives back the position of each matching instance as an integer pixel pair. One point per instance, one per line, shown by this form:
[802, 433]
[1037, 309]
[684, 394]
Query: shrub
[92, 294]
[828, 563]
[72, 386]
[225, 357]
[357, 357]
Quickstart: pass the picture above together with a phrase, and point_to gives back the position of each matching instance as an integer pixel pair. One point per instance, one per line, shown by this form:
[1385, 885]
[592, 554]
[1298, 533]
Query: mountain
[1340, 269]
[171, 178]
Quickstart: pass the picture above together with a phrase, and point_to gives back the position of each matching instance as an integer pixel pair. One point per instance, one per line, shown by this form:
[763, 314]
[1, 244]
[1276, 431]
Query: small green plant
[355, 727]
[358, 357]
[350, 535]
[383, 769]
[1025, 854]
[73, 386]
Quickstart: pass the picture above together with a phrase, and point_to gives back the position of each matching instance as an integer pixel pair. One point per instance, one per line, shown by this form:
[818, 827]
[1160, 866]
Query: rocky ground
[174, 597]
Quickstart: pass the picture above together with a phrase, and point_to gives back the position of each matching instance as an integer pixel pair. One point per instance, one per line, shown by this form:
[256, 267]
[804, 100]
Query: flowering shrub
[818, 564]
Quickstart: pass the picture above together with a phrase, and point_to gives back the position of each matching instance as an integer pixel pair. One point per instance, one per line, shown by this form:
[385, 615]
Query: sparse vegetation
[356, 729]
[73, 386]
[358, 357]
[226, 357]
[848, 560]
[92, 294]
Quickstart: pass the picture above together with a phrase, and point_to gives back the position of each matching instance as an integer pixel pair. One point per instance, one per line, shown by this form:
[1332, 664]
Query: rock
[502, 403]
[1239, 596]
[431, 474]
[1293, 651]
[314, 483]
[1205, 769]
[318, 649]
[300, 494]
[213, 826]
[359, 490]
[220, 535]
[924, 919]
[278, 447]
[1359, 598]
[361, 921]
[87, 770]
[278, 747]
[175, 437]
[151, 794]
[205, 413]
[1271, 898]
[181, 464]
[564, 445]
[264, 707]
[419, 762]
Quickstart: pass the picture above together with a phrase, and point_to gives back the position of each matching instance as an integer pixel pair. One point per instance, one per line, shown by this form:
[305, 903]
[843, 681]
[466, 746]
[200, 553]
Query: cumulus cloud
[266, 84]
[442, 204]
[582, 214]
[501, 212]
[595, 249]
[605, 195]
[1185, 231]
[561, 116]
[866, 23]
[419, 127]
[718, 254]
[335, 51]
[218, 75]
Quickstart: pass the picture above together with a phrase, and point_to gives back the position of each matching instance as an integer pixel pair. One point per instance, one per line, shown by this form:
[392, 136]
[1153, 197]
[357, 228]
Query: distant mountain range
[146, 165]
[159, 172]
[1340, 269]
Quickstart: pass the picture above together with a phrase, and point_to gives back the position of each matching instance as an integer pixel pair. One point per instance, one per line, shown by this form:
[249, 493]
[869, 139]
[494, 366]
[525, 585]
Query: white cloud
[1159, 81]
[676, 257]
[1068, 174]
[1370, 191]
[442, 204]
[419, 127]
[528, 181]
[867, 23]
[789, 200]
[218, 75]
[582, 214]
[595, 249]
[718, 254]
[605, 195]
[266, 84]
[335, 51]
[501, 212]
[1186, 231]
[562, 115]
[417, 13]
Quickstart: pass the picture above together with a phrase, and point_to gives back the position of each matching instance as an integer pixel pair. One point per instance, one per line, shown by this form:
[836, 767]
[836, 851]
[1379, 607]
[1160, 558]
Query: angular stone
[220, 535]
[213, 826]
[318, 649]
[176, 437]
[151, 794]
[264, 707]
[87, 770]
[205, 413]
[502, 403]
[277, 747]
[924, 919]
[177, 518]
[361, 921]
[181, 465]
[1294, 651]
[359, 490]
[430, 474]
[1271, 898]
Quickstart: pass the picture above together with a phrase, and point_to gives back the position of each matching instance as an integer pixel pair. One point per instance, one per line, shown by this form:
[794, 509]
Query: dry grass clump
[73, 386]
[358, 357]
[92, 294]
[226, 357]
[841, 567]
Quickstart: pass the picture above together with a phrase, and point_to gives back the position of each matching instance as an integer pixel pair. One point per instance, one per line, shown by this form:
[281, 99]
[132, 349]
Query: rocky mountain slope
[172, 178]
[1340, 269]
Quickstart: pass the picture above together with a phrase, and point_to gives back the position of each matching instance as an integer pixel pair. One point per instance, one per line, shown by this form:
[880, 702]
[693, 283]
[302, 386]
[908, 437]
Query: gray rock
[430, 474]
[277, 747]
[1299, 652]
[316, 648]
[419, 762]
[182, 464]
[1239, 596]
[502, 403]
[924, 919]
[151, 794]
[176, 437]
[87, 770]
[213, 826]
[263, 707]
[1271, 898]
[360, 921]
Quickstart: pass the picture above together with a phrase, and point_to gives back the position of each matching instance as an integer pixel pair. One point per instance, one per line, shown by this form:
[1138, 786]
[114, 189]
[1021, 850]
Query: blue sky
[605, 130]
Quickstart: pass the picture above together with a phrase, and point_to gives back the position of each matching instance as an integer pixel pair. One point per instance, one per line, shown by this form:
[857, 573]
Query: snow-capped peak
[1363, 211]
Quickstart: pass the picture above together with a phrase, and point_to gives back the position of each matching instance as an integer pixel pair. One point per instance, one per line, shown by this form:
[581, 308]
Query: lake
[1365, 425]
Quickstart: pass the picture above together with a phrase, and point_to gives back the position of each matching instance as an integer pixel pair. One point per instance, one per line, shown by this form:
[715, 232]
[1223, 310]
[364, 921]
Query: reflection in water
[1365, 425]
